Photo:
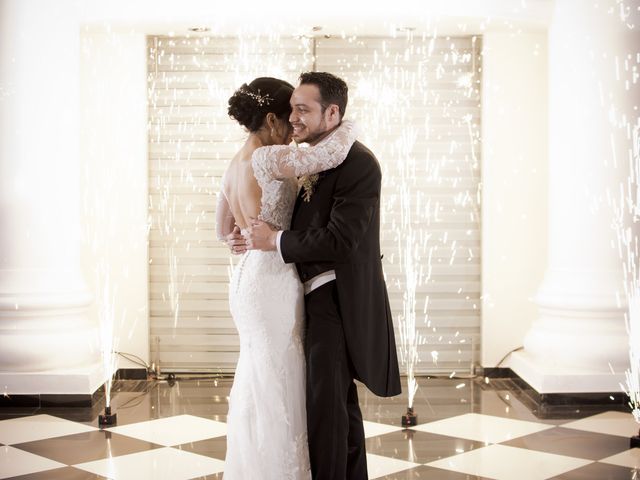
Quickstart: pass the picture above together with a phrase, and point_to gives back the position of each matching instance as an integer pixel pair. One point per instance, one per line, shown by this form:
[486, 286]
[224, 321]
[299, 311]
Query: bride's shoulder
[243, 156]
[239, 168]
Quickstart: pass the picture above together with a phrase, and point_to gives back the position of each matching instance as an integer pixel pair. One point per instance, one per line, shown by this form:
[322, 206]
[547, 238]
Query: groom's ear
[333, 114]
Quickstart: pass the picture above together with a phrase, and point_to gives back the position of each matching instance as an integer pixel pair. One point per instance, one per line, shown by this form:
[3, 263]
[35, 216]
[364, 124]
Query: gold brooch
[308, 182]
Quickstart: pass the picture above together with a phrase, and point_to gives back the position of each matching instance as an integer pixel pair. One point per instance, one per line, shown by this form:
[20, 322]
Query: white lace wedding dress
[266, 424]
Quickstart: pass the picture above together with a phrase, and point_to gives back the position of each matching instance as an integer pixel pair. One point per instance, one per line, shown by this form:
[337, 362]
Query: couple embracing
[308, 296]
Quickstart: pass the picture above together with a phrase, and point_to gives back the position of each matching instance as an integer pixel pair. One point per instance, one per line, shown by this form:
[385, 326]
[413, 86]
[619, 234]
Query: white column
[579, 337]
[48, 344]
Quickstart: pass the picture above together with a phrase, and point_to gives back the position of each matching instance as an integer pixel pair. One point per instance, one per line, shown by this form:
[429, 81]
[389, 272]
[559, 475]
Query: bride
[266, 424]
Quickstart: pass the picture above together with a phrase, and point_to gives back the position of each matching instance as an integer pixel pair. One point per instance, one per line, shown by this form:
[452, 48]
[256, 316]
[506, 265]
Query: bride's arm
[225, 222]
[284, 161]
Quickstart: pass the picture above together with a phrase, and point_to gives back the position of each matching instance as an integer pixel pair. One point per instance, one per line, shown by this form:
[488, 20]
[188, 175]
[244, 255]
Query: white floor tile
[373, 429]
[158, 464]
[38, 427]
[502, 462]
[380, 466]
[172, 431]
[612, 423]
[14, 462]
[482, 428]
[629, 458]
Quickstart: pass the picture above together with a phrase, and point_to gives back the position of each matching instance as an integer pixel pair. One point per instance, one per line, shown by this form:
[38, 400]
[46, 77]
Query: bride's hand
[236, 242]
[261, 236]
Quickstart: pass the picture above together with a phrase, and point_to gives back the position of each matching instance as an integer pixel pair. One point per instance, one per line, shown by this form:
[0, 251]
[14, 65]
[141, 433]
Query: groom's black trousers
[334, 420]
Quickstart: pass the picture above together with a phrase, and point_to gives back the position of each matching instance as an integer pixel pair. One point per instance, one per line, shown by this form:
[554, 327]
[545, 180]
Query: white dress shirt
[315, 282]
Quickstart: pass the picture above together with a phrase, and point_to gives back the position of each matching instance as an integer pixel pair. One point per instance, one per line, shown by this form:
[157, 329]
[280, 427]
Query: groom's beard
[318, 134]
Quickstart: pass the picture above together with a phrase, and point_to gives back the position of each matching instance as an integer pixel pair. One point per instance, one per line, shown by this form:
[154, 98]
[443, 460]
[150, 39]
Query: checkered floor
[178, 432]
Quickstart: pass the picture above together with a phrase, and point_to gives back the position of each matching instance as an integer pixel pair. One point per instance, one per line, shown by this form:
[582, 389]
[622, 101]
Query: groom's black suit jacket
[339, 229]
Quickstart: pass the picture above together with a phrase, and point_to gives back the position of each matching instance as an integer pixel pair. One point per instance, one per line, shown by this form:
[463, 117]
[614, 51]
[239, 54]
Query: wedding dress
[266, 423]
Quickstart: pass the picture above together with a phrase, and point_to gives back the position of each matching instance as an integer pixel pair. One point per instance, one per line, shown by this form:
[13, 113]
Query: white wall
[114, 190]
[514, 176]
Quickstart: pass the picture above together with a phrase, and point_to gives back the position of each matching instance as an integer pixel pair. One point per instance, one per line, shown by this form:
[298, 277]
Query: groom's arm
[356, 195]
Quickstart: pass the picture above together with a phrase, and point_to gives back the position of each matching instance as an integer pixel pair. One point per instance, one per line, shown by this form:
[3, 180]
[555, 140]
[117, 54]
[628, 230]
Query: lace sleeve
[284, 161]
[225, 222]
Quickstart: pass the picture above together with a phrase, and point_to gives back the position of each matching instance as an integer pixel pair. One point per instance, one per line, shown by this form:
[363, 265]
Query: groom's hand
[236, 242]
[261, 236]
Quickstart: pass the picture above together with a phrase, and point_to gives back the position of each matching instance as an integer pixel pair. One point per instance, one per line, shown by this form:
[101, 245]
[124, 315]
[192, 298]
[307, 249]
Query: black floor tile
[419, 447]
[67, 473]
[600, 471]
[86, 447]
[212, 447]
[572, 443]
[430, 473]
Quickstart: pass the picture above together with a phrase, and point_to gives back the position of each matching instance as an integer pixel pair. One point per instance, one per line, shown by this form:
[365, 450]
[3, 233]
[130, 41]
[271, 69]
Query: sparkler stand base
[634, 442]
[108, 418]
[409, 419]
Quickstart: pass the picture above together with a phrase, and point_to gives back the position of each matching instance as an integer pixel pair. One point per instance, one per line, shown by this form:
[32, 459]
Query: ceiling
[335, 17]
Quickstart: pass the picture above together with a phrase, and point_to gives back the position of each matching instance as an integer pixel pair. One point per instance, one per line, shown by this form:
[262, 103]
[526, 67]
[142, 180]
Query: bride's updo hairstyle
[250, 104]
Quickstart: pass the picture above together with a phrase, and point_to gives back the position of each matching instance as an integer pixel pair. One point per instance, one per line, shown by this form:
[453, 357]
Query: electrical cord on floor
[472, 375]
[215, 376]
[505, 357]
[171, 377]
[139, 361]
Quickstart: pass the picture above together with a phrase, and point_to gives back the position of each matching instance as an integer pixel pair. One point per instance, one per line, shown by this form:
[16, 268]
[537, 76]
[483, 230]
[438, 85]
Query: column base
[78, 381]
[547, 377]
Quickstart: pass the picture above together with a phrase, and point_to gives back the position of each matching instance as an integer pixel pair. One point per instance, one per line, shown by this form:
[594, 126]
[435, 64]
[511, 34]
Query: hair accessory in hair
[260, 99]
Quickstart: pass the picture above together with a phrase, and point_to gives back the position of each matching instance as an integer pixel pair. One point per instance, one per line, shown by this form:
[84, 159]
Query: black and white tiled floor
[467, 430]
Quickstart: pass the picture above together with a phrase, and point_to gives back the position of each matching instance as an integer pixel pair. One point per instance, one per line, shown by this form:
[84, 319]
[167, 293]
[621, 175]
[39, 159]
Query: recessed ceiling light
[199, 29]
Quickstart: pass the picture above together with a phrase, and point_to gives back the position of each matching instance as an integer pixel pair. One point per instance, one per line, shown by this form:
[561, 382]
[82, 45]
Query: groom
[335, 243]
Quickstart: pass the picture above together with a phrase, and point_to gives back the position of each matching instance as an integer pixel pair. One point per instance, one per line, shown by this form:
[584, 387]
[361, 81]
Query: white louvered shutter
[191, 140]
[417, 103]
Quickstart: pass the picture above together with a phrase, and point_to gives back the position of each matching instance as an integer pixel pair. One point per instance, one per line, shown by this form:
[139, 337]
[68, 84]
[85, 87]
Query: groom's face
[309, 119]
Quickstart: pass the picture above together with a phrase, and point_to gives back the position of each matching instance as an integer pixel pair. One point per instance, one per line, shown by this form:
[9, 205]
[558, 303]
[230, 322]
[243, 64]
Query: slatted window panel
[191, 141]
[417, 101]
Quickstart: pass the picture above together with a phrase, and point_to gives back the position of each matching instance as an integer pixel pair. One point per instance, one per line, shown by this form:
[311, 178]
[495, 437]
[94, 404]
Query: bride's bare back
[241, 187]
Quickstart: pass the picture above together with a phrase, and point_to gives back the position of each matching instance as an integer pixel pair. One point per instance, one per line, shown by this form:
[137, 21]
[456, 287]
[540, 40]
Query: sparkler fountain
[108, 342]
[409, 259]
[404, 105]
[629, 205]
[421, 137]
